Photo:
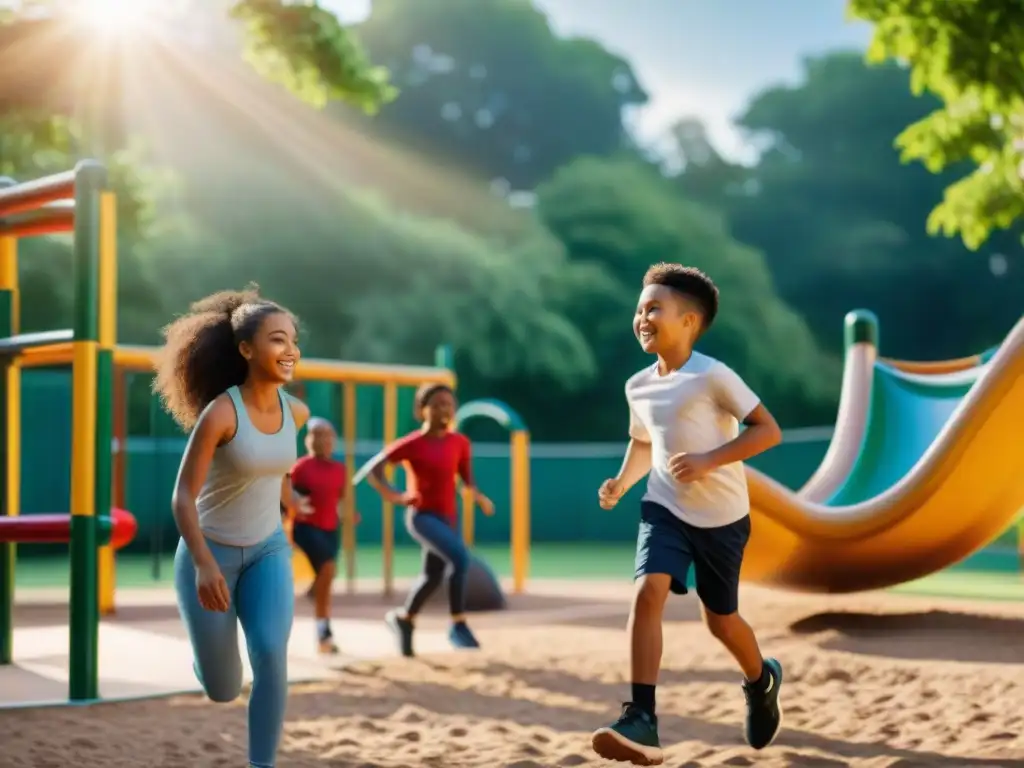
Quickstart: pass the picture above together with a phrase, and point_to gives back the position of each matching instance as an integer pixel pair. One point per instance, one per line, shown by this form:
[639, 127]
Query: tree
[622, 217]
[966, 53]
[489, 85]
[841, 221]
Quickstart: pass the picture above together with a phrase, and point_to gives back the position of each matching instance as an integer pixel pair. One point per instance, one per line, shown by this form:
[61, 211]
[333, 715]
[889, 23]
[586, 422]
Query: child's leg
[213, 635]
[663, 559]
[266, 608]
[718, 557]
[645, 636]
[445, 543]
[431, 576]
[718, 560]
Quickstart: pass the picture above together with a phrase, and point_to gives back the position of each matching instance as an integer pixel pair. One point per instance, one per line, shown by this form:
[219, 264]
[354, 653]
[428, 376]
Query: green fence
[564, 477]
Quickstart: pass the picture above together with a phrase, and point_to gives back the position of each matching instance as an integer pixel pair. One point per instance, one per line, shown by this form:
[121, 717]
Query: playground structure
[923, 470]
[78, 202]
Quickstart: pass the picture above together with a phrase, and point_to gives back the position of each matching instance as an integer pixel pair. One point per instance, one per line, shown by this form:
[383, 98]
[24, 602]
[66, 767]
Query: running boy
[318, 484]
[435, 455]
[684, 414]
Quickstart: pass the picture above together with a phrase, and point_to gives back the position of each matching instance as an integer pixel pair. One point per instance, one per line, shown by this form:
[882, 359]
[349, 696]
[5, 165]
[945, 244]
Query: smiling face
[665, 320]
[439, 409]
[273, 351]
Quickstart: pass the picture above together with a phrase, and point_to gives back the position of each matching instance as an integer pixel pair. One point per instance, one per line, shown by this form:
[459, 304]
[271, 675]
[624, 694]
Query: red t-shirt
[434, 462]
[323, 480]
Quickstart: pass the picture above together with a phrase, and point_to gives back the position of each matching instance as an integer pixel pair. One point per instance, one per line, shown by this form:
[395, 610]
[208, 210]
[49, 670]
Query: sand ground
[871, 680]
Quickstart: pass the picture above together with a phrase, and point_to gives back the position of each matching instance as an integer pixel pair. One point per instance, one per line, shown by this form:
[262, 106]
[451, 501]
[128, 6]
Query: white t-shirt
[693, 410]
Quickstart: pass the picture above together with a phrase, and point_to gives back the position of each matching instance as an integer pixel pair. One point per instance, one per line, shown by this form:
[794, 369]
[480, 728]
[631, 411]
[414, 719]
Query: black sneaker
[402, 628]
[764, 713]
[633, 738]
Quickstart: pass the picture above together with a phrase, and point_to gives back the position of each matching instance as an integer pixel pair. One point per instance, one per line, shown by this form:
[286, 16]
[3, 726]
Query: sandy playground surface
[873, 680]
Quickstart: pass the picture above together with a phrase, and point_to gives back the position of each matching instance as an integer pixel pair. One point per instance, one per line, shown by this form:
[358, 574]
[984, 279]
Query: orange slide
[925, 467]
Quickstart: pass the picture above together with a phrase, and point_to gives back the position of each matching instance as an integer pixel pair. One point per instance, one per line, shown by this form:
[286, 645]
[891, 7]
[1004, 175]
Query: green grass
[989, 575]
[547, 561]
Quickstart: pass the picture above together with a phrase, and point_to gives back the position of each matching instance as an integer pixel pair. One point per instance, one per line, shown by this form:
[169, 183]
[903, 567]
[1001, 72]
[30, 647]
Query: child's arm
[762, 433]
[465, 468]
[635, 464]
[394, 454]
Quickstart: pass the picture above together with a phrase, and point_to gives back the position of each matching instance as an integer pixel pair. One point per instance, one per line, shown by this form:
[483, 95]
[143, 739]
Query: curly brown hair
[200, 359]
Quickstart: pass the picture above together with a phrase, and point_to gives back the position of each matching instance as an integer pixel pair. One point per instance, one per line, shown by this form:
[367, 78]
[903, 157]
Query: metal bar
[140, 358]
[46, 356]
[50, 223]
[35, 194]
[15, 345]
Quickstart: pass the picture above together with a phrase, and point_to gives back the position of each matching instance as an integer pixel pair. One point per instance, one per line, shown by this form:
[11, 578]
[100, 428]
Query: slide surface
[925, 467]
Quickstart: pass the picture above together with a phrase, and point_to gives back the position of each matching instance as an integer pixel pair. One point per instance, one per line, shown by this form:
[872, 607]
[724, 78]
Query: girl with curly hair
[434, 454]
[221, 374]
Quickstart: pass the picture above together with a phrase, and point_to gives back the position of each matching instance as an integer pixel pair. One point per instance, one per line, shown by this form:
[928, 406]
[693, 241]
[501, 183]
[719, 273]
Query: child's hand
[688, 467]
[609, 493]
[485, 504]
[303, 506]
[408, 499]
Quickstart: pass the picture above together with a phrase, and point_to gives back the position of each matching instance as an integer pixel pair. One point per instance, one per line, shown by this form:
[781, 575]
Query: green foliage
[489, 86]
[841, 221]
[304, 48]
[968, 53]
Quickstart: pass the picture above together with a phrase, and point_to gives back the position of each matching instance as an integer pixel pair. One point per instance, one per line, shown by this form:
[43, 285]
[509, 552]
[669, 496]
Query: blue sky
[700, 58]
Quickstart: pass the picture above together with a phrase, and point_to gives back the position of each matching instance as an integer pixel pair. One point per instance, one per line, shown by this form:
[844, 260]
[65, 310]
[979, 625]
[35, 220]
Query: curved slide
[924, 468]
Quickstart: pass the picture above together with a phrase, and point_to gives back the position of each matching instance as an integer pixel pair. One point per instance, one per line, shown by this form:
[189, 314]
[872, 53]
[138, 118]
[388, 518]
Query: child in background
[318, 485]
[684, 415]
[435, 455]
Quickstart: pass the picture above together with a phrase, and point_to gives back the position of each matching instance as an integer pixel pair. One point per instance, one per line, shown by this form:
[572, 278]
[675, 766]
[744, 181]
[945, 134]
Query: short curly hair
[423, 395]
[200, 359]
[691, 283]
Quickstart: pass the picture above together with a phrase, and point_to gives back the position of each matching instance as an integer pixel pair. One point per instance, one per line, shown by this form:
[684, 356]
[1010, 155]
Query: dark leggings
[442, 549]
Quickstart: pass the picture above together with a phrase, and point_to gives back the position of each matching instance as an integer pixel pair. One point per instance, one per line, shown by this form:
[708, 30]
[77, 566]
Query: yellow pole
[12, 469]
[387, 508]
[520, 455]
[106, 568]
[348, 530]
[9, 282]
[468, 516]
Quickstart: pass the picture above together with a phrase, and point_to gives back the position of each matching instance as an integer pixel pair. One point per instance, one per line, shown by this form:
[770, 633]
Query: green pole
[8, 287]
[90, 178]
[444, 357]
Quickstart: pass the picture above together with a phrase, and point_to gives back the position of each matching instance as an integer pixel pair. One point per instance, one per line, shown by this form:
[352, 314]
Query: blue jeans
[443, 549]
[262, 598]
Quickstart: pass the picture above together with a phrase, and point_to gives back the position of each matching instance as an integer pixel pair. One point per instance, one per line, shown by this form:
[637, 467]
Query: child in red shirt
[318, 485]
[435, 455]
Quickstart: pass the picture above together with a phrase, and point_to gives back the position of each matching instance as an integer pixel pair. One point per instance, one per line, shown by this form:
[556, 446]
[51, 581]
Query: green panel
[84, 610]
[907, 413]
[323, 400]
[45, 441]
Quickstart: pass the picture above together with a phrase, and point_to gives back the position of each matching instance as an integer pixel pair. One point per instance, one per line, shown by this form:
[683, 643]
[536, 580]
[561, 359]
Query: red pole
[35, 194]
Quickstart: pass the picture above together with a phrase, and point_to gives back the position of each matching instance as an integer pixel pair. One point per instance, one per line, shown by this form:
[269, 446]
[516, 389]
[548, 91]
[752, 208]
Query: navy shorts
[668, 545]
[318, 545]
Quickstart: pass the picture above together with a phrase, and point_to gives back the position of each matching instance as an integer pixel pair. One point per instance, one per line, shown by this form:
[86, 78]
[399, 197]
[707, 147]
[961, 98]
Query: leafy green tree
[841, 221]
[966, 53]
[489, 85]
